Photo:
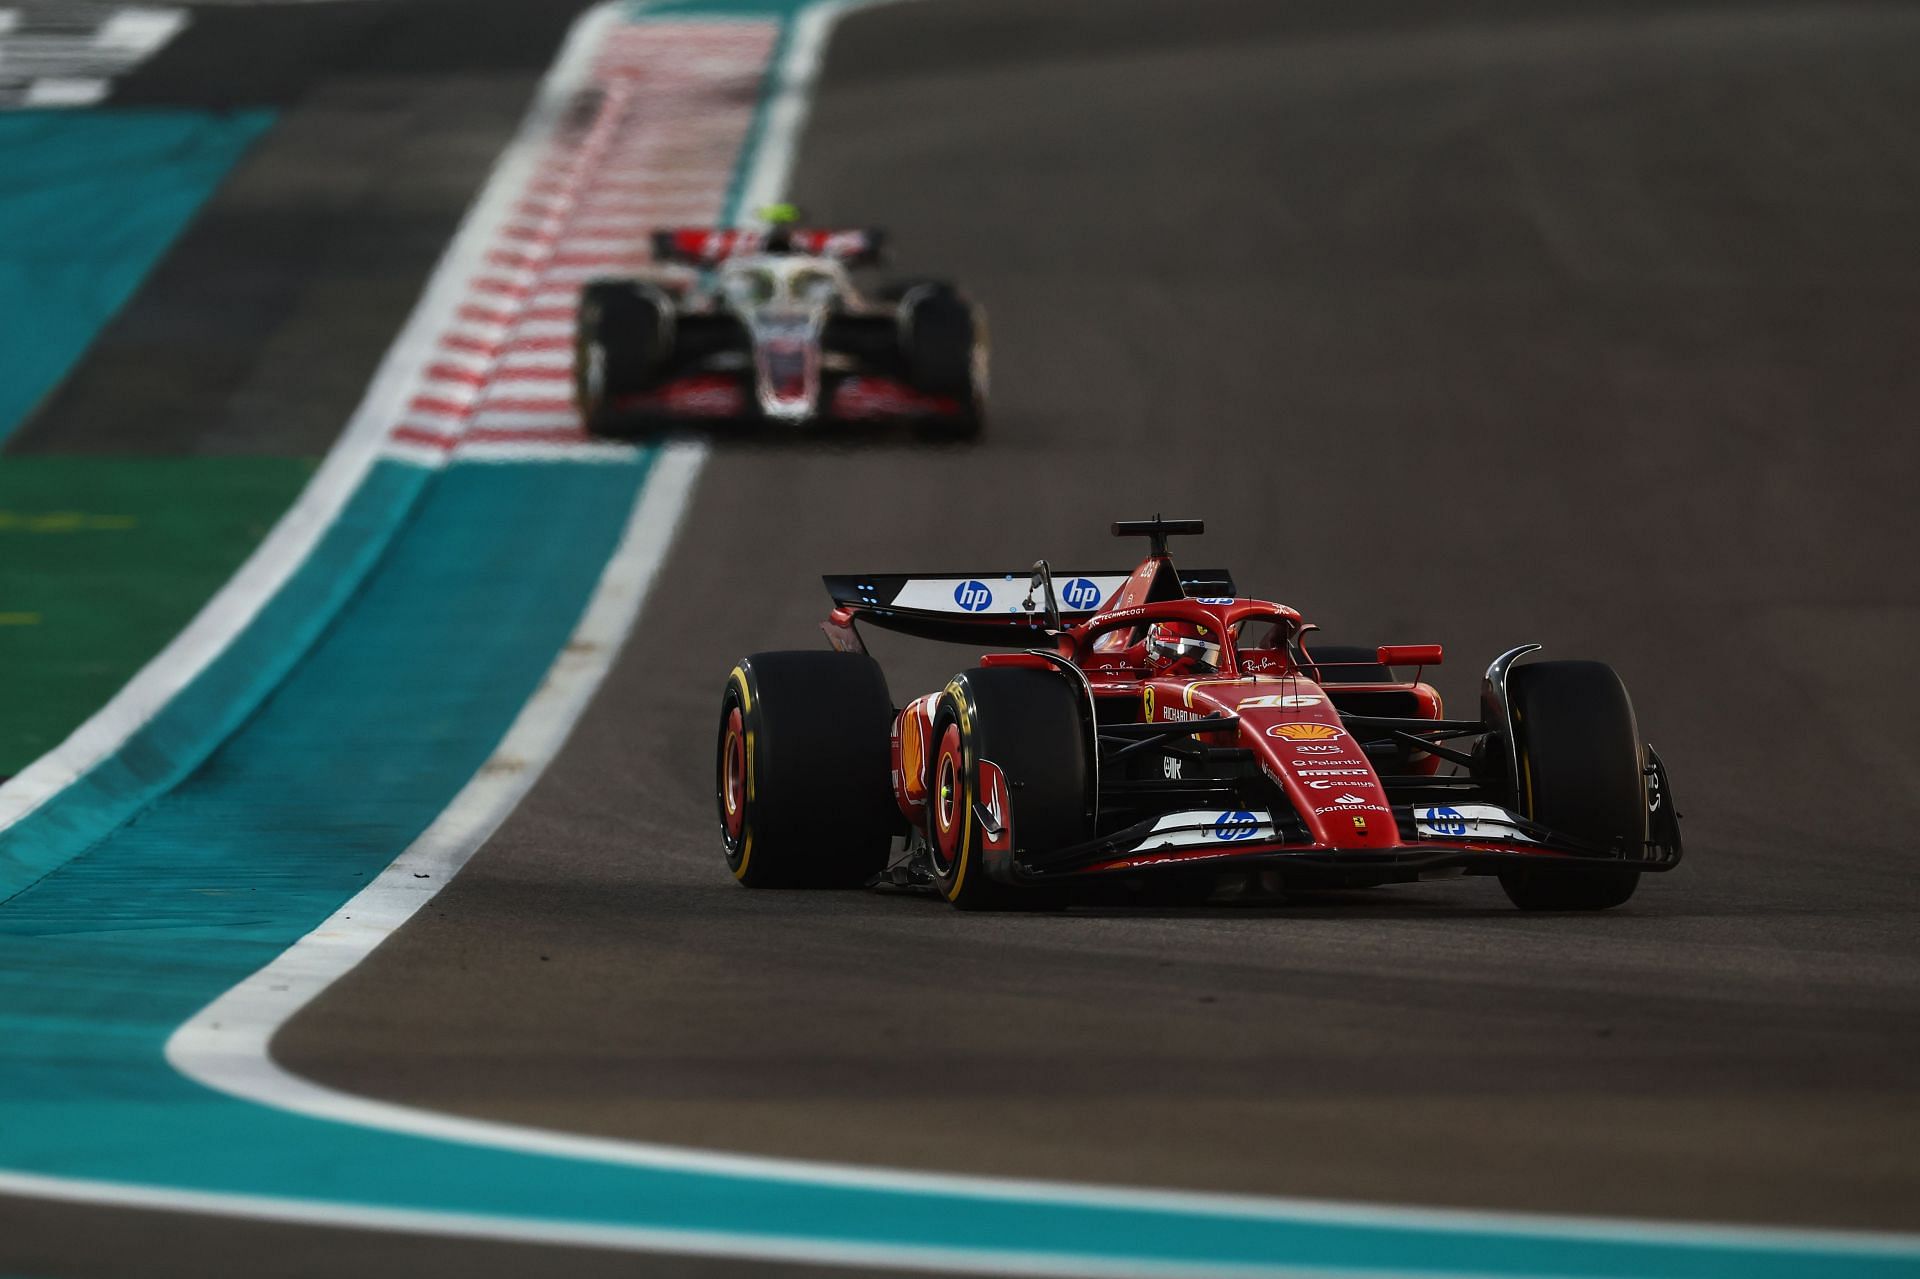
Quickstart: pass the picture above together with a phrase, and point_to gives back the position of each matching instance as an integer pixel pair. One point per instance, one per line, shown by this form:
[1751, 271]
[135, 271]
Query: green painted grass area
[102, 561]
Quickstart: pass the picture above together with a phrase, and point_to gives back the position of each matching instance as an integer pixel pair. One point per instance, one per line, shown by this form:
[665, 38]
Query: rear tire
[1581, 763]
[802, 771]
[622, 332]
[1029, 723]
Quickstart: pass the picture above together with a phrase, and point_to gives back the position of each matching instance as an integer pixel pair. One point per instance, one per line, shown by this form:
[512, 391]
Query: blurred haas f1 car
[1159, 728]
[750, 326]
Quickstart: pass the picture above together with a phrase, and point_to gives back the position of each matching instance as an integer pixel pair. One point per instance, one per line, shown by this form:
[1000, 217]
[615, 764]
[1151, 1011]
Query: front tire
[944, 345]
[622, 332]
[1029, 722]
[1581, 774]
[802, 774]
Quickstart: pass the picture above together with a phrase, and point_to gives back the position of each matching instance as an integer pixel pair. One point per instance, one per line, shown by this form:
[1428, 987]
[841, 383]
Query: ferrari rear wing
[707, 246]
[987, 608]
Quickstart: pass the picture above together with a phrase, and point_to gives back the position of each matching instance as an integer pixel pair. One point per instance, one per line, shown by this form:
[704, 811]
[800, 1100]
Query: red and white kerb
[660, 127]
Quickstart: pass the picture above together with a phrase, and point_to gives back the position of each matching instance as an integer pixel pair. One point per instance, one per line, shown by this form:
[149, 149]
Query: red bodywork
[1290, 721]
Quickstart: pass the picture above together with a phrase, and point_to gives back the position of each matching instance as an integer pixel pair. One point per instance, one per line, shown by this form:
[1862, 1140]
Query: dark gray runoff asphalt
[260, 329]
[1584, 323]
[1590, 324]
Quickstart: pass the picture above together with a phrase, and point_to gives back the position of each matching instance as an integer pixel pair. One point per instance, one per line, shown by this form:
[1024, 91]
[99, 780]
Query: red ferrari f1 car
[753, 327]
[1156, 727]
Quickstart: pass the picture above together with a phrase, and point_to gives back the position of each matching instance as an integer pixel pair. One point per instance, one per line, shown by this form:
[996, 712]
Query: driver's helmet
[780, 220]
[1182, 648]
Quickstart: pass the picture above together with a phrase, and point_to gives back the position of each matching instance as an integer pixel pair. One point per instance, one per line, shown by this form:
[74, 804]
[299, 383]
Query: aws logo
[1304, 732]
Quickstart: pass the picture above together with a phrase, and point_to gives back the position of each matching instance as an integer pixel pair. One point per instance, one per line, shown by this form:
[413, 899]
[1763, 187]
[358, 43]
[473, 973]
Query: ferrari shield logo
[1146, 704]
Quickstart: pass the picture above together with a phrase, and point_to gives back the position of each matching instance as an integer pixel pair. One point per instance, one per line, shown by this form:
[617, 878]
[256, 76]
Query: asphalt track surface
[1584, 324]
[260, 329]
[1580, 324]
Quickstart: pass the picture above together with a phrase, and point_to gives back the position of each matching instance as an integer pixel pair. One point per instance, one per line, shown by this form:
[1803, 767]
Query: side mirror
[1042, 585]
[1409, 654]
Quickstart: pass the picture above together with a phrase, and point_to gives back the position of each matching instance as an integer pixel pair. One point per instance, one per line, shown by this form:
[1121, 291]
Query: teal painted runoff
[389, 713]
[335, 730]
[179, 738]
[89, 200]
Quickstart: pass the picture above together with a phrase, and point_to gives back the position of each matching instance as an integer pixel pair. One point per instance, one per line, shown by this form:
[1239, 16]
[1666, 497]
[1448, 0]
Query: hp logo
[1446, 821]
[1079, 594]
[973, 596]
[1233, 826]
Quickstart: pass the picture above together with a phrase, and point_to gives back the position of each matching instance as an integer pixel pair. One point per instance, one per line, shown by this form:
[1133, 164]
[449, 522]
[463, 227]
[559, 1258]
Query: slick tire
[895, 290]
[943, 344]
[623, 330]
[802, 770]
[1367, 669]
[1581, 764]
[1029, 723]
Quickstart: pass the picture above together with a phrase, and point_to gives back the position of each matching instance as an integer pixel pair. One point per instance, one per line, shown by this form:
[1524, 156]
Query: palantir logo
[1079, 594]
[1234, 826]
[1446, 821]
[972, 596]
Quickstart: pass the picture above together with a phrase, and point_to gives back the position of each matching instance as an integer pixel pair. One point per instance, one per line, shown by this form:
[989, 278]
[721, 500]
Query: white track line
[778, 1248]
[293, 538]
[226, 1045]
[664, 118]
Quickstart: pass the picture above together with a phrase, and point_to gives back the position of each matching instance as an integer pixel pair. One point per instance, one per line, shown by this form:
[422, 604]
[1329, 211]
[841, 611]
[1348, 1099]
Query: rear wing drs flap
[990, 608]
[708, 246]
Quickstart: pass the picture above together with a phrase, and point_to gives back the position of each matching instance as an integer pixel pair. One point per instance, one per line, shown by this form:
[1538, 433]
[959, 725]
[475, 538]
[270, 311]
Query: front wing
[717, 398]
[1475, 838]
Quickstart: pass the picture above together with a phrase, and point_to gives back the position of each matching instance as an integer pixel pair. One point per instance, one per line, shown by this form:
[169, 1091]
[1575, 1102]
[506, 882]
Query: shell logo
[1304, 732]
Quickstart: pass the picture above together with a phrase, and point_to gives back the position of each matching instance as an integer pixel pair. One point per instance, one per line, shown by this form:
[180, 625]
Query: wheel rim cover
[948, 802]
[733, 791]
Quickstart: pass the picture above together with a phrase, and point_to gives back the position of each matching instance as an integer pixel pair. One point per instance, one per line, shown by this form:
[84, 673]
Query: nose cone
[787, 365]
[1292, 728]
